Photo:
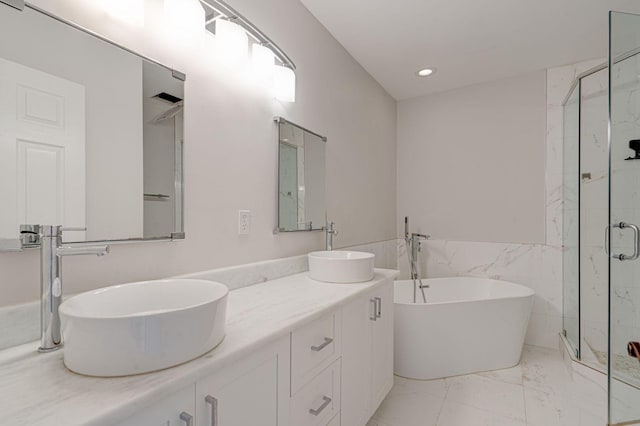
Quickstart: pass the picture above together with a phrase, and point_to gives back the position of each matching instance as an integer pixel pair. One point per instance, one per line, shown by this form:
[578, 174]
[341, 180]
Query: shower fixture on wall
[634, 145]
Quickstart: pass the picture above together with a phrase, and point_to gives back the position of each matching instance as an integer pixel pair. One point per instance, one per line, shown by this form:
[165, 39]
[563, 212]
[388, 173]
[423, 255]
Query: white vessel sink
[341, 266]
[141, 327]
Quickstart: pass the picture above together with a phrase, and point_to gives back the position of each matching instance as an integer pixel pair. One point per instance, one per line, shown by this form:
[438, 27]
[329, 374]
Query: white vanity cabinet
[253, 391]
[382, 346]
[177, 409]
[367, 354]
[315, 371]
[334, 370]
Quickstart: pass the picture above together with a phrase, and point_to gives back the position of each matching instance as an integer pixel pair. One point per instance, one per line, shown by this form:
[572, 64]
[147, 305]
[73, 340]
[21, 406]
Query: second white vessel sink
[341, 266]
[141, 327]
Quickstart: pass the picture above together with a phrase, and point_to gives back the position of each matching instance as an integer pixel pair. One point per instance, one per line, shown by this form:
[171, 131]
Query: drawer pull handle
[379, 307]
[327, 342]
[186, 418]
[374, 317]
[213, 402]
[326, 402]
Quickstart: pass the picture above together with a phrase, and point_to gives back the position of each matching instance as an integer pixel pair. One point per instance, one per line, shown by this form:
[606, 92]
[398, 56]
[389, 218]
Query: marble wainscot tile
[533, 265]
[505, 261]
[19, 324]
[241, 276]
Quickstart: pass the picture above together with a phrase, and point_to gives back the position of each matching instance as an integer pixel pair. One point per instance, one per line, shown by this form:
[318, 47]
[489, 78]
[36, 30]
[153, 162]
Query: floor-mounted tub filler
[468, 325]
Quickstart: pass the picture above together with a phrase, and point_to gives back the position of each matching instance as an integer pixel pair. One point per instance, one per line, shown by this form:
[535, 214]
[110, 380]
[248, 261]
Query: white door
[42, 150]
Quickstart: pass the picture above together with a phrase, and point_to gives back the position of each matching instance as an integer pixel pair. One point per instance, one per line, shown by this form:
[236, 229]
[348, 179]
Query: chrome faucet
[416, 246]
[330, 232]
[413, 243]
[49, 239]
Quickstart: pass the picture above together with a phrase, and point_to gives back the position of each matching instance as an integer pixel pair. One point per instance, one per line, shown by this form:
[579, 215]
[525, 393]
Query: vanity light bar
[224, 11]
[18, 4]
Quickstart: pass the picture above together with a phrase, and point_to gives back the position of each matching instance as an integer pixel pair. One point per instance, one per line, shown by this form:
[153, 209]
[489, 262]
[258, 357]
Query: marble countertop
[36, 389]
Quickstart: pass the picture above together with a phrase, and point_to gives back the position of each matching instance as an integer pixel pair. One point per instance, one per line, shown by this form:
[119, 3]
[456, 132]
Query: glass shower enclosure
[601, 215]
[585, 217]
[624, 211]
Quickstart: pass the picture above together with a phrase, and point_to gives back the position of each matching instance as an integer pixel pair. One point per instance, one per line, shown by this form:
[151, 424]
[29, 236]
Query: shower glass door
[624, 214]
[570, 220]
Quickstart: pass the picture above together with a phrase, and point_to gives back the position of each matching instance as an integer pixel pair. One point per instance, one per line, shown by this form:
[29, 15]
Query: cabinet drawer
[173, 410]
[313, 348]
[318, 402]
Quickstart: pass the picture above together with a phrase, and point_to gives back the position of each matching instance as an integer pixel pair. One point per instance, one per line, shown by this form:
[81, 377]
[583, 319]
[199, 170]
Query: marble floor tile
[504, 399]
[541, 409]
[406, 386]
[456, 414]
[543, 369]
[375, 422]
[538, 392]
[412, 409]
[508, 375]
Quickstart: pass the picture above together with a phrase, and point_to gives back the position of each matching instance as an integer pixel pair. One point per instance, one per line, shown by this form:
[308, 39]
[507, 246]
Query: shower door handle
[636, 241]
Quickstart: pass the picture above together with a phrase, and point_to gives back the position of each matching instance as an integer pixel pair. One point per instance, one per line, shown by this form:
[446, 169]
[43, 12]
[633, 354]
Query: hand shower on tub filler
[413, 242]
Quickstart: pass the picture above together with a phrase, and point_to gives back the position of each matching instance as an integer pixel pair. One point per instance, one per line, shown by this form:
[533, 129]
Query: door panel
[624, 212]
[42, 150]
[382, 347]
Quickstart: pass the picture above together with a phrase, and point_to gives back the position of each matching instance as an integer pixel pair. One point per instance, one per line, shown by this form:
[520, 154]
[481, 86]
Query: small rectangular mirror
[302, 189]
[91, 134]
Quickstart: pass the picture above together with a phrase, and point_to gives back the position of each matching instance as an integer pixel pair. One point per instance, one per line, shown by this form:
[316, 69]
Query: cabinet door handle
[378, 307]
[374, 317]
[213, 402]
[325, 403]
[327, 342]
[186, 418]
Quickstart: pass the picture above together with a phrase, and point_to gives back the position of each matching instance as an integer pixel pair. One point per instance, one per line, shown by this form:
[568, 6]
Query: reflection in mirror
[90, 134]
[301, 178]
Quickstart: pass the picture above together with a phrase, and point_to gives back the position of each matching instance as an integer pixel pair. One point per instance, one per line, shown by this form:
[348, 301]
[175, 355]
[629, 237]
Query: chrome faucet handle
[420, 236]
[72, 228]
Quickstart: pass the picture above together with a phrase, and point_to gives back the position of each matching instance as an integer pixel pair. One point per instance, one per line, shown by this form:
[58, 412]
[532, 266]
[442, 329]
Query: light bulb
[262, 63]
[185, 16]
[284, 84]
[425, 72]
[232, 42]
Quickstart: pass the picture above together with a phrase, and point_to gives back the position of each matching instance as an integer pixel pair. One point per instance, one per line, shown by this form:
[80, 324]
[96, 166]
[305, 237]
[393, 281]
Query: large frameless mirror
[91, 135]
[302, 190]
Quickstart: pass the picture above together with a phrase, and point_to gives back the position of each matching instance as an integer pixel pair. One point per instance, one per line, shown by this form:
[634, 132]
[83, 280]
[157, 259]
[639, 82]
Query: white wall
[471, 161]
[231, 151]
[464, 157]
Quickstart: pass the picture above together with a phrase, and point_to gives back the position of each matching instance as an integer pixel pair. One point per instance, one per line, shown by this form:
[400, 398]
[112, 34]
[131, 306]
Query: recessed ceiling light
[425, 72]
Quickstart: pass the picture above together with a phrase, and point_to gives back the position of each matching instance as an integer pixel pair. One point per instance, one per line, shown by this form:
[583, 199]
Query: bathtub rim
[528, 292]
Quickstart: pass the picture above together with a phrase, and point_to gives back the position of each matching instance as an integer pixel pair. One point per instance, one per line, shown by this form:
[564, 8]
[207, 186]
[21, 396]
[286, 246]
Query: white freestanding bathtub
[468, 325]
